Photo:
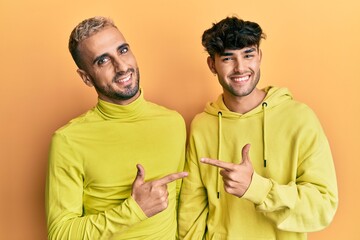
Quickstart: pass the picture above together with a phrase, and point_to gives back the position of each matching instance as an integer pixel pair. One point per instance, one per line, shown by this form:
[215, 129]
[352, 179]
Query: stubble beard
[241, 92]
[126, 94]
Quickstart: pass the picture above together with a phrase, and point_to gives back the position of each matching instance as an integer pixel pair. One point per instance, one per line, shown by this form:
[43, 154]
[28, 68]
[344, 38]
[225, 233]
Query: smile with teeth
[241, 79]
[122, 80]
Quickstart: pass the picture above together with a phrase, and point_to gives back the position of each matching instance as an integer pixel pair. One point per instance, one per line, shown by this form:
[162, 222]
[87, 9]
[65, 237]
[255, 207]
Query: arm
[64, 203]
[178, 186]
[65, 217]
[304, 205]
[179, 181]
[193, 205]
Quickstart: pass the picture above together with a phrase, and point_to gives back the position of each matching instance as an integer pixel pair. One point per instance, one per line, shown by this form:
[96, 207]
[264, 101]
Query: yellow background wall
[312, 48]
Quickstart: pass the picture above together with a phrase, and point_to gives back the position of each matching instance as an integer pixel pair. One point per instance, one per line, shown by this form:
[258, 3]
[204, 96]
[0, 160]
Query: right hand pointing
[152, 196]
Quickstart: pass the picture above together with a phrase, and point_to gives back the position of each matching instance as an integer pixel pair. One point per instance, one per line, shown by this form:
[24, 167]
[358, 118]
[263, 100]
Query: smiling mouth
[124, 79]
[241, 79]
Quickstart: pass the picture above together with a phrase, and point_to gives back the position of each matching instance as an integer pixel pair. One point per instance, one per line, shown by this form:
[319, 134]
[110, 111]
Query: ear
[85, 77]
[211, 64]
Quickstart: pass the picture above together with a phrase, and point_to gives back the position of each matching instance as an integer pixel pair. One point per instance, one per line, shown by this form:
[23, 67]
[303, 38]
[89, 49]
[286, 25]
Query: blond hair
[85, 29]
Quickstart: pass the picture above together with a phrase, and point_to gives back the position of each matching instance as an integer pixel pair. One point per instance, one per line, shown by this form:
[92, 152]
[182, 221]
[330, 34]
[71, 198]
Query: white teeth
[125, 79]
[241, 79]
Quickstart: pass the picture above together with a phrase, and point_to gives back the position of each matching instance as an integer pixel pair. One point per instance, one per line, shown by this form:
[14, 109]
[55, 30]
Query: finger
[225, 173]
[217, 163]
[140, 175]
[245, 153]
[170, 178]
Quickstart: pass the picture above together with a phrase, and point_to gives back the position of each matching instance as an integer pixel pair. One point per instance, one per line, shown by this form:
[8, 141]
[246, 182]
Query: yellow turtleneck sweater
[92, 166]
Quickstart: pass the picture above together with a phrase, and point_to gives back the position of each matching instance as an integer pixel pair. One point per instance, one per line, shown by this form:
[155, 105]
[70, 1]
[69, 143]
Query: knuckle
[163, 190]
[164, 198]
[164, 204]
[229, 184]
[231, 175]
[160, 193]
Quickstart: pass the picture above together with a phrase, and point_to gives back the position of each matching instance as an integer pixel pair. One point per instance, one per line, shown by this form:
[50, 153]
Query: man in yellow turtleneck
[115, 171]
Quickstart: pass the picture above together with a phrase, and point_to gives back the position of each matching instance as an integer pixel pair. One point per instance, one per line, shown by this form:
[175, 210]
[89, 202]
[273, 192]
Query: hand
[236, 177]
[152, 196]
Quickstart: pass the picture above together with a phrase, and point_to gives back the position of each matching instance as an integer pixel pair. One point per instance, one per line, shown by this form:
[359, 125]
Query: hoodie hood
[274, 97]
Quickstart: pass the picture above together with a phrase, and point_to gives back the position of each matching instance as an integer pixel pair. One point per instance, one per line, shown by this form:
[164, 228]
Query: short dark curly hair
[231, 33]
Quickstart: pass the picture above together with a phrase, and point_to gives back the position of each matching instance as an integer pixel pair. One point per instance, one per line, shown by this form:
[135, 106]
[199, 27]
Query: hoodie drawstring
[219, 154]
[264, 105]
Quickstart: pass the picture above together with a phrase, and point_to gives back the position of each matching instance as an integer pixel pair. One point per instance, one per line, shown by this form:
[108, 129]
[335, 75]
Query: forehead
[106, 40]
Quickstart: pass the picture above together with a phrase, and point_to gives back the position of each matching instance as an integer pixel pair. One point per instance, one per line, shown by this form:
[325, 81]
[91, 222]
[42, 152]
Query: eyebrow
[123, 45]
[248, 50]
[226, 54]
[106, 54]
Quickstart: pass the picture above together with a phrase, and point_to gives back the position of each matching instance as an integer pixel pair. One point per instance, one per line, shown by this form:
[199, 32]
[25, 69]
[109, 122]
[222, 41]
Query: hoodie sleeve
[310, 201]
[193, 206]
[64, 203]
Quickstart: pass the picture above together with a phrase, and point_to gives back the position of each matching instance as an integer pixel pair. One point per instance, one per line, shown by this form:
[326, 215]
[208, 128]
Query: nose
[119, 64]
[239, 66]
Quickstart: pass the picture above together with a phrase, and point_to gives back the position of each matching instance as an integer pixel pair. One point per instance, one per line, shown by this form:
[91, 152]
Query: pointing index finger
[217, 163]
[170, 178]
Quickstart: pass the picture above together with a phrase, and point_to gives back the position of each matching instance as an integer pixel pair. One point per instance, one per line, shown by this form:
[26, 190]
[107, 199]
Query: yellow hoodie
[92, 166]
[293, 189]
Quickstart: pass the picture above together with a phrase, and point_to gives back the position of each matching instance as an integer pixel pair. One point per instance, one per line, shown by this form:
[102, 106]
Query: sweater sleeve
[64, 200]
[179, 184]
[193, 206]
[180, 169]
[306, 204]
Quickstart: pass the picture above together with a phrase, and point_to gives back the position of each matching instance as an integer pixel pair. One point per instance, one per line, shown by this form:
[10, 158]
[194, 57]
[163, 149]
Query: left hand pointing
[236, 177]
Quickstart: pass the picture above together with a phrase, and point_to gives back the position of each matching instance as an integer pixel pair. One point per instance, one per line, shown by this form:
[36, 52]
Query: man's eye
[102, 61]
[249, 56]
[124, 50]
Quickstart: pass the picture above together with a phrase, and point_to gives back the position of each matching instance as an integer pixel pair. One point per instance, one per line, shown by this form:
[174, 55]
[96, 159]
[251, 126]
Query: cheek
[256, 63]
[104, 76]
[223, 69]
[130, 60]
[255, 66]
[133, 64]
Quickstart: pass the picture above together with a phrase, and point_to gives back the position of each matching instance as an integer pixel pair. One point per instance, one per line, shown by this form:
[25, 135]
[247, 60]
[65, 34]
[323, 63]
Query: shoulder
[201, 118]
[76, 122]
[300, 119]
[203, 122]
[300, 111]
[157, 110]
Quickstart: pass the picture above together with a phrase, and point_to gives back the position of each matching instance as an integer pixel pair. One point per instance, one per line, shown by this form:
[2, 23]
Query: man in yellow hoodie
[259, 163]
[93, 190]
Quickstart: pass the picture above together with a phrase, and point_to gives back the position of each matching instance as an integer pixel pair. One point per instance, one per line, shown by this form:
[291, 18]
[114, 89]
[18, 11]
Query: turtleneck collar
[109, 110]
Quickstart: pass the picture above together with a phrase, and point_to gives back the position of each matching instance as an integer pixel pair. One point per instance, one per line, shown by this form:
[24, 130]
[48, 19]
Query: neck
[119, 101]
[244, 104]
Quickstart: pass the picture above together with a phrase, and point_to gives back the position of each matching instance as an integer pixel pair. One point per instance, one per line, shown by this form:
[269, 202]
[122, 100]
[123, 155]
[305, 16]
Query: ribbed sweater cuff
[258, 190]
[137, 209]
